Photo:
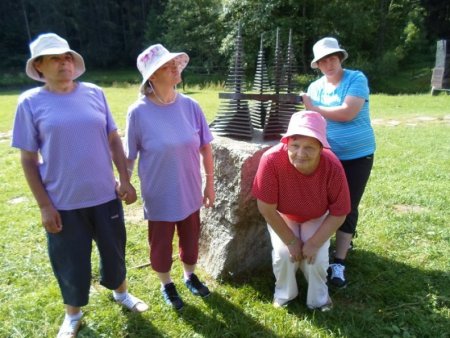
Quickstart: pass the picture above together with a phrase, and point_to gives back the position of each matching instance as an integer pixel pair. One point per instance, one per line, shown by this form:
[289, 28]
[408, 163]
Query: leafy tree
[193, 26]
[263, 17]
[379, 35]
[13, 35]
[437, 20]
[154, 26]
[108, 33]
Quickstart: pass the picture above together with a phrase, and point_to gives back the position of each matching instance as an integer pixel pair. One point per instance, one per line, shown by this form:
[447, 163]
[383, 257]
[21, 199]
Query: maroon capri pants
[160, 237]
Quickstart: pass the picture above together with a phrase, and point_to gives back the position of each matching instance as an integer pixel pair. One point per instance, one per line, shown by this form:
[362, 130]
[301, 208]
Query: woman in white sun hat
[69, 126]
[169, 134]
[342, 97]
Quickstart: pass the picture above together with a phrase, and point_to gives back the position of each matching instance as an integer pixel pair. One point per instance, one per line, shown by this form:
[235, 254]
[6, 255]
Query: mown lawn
[399, 272]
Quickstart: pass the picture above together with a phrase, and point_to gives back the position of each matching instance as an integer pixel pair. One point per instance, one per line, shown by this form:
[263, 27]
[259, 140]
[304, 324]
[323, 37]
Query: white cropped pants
[285, 270]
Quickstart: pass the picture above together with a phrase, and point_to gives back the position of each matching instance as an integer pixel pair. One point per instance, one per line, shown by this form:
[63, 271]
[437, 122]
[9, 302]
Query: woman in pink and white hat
[302, 193]
[169, 134]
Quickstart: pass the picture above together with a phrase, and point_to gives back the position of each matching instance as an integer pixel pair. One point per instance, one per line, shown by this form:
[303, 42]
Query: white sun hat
[51, 44]
[324, 47]
[151, 59]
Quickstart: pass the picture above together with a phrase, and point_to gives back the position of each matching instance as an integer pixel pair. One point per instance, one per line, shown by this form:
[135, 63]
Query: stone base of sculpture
[234, 238]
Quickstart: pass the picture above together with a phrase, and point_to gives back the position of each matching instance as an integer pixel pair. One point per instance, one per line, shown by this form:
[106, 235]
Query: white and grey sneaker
[336, 275]
[69, 328]
[323, 308]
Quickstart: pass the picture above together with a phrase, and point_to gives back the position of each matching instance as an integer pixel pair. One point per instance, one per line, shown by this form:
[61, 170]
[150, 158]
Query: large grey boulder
[234, 238]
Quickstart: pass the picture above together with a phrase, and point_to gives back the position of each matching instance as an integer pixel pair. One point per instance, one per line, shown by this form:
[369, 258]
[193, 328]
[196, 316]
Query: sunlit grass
[120, 98]
[398, 273]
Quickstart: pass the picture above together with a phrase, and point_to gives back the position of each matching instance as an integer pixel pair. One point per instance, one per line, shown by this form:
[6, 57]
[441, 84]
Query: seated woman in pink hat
[68, 140]
[341, 96]
[302, 193]
[169, 134]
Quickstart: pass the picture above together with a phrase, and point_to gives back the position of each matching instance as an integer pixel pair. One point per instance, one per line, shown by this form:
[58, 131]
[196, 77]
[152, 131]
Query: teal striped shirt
[355, 138]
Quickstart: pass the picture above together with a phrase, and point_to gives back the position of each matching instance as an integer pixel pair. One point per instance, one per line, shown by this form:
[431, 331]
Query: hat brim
[328, 52]
[306, 132]
[78, 61]
[183, 61]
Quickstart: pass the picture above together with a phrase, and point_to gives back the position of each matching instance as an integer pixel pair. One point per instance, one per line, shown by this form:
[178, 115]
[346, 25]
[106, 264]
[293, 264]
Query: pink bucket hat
[151, 59]
[324, 47]
[51, 44]
[307, 123]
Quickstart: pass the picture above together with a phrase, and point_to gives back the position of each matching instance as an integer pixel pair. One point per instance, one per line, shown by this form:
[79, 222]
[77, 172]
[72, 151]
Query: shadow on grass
[85, 332]
[261, 281]
[189, 92]
[138, 326]
[384, 298]
[226, 320]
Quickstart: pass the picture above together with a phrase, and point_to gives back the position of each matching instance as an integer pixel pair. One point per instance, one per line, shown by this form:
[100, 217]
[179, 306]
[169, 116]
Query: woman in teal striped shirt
[342, 97]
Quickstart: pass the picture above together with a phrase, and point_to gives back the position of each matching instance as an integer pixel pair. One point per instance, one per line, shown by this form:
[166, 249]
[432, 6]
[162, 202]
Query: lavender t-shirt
[70, 131]
[168, 139]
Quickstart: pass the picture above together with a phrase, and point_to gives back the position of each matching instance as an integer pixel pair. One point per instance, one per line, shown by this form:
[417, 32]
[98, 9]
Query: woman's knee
[317, 269]
[281, 254]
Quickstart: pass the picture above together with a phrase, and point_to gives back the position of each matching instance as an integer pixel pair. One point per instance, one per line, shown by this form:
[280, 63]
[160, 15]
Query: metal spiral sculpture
[290, 66]
[233, 118]
[261, 85]
[281, 110]
[271, 112]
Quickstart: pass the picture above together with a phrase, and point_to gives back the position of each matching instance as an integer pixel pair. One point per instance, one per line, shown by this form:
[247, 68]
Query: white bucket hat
[52, 44]
[324, 47]
[151, 59]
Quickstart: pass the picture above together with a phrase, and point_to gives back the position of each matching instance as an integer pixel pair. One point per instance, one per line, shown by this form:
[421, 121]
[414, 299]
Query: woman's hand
[295, 250]
[323, 233]
[209, 195]
[51, 219]
[307, 101]
[126, 192]
[310, 251]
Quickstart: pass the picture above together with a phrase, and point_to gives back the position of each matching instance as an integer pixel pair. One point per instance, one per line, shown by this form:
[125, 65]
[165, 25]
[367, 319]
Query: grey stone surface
[234, 238]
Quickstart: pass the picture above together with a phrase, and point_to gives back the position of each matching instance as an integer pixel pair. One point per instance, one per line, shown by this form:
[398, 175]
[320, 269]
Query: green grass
[411, 77]
[399, 272]
[408, 107]
[119, 99]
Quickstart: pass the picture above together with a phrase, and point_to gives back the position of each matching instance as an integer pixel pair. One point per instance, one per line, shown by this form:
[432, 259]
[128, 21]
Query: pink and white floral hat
[155, 56]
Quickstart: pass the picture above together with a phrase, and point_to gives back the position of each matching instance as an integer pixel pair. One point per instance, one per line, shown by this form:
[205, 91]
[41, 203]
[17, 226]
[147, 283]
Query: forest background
[399, 268]
[383, 37]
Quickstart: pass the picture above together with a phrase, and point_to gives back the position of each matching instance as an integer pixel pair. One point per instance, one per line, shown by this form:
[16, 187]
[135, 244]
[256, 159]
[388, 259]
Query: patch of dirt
[414, 121]
[134, 214]
[5, 136]
[404, 209]
[18, 200]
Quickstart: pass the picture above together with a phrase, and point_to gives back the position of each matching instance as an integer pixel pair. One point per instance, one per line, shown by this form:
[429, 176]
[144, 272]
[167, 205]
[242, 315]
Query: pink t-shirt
[302, 197]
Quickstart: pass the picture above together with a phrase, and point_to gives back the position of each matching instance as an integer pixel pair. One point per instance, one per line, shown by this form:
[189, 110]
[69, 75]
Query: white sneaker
[323, 308]
[133, 303]
[69, 328]
[277, 303]
[336, 275]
